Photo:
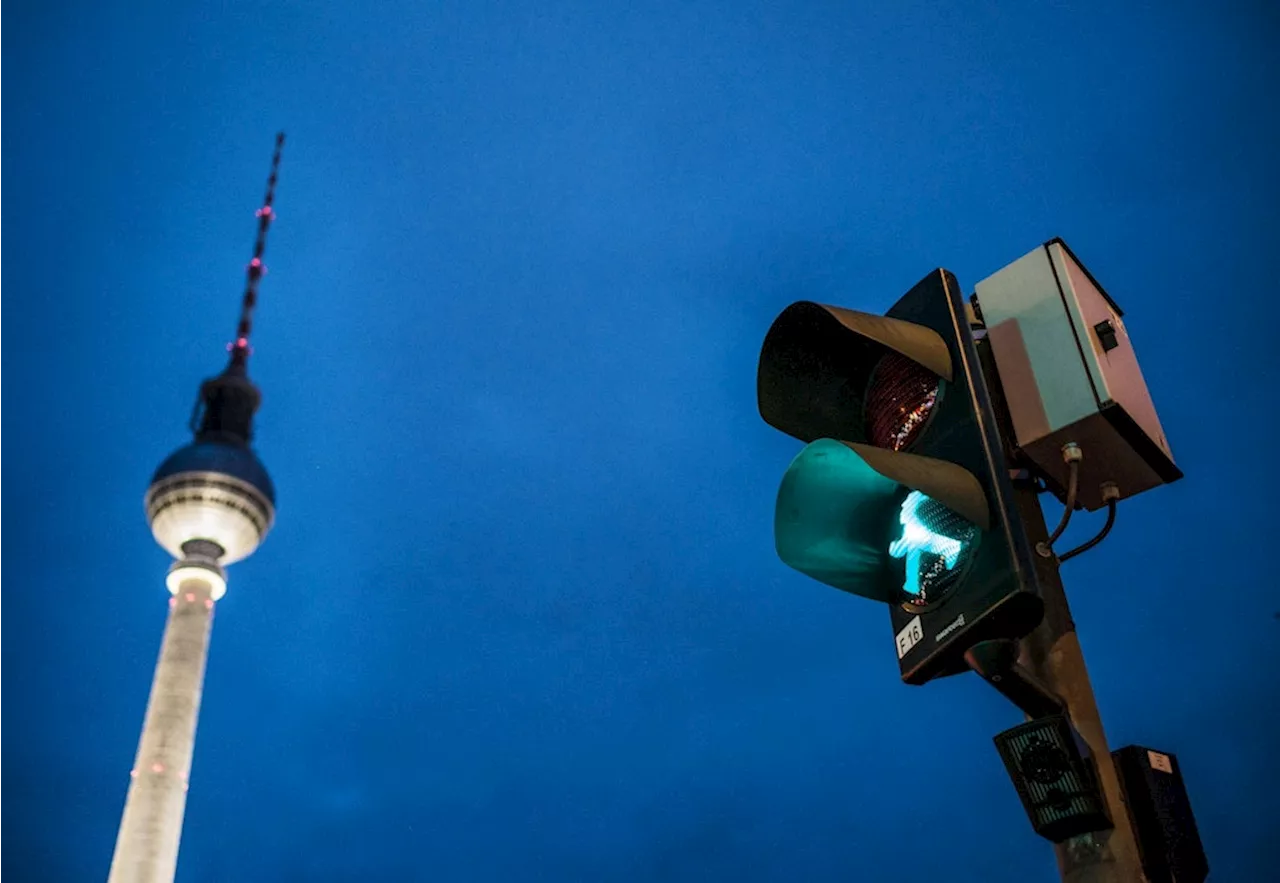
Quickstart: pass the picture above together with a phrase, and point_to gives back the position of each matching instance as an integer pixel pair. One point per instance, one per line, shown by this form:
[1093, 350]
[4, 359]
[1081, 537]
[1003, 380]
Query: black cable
[1073, 481]
[1102, 534]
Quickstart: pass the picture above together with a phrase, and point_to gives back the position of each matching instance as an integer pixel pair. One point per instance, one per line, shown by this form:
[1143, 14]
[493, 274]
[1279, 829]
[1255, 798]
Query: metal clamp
[996, 662]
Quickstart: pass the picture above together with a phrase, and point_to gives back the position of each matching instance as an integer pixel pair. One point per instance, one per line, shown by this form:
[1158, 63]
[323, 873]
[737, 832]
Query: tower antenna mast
[256, 269]
[226, 404]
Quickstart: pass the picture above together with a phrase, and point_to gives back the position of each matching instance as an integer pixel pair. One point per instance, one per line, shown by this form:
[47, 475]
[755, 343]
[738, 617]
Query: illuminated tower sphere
[210, 504]
[215, 489]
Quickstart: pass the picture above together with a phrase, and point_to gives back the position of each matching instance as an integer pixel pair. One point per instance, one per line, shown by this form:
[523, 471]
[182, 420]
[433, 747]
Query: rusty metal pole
[1052, 653]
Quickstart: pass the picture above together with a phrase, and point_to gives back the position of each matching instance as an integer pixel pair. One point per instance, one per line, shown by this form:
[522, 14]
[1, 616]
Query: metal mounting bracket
[996, 662]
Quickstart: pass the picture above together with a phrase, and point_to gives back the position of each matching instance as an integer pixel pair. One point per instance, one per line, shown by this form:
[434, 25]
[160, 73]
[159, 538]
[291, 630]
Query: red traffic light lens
[900, 399]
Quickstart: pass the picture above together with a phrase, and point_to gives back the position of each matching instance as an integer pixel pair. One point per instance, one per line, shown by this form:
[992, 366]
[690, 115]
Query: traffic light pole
[1052, 654]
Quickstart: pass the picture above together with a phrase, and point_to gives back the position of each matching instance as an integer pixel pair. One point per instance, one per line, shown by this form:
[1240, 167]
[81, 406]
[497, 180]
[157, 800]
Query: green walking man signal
[918, 540]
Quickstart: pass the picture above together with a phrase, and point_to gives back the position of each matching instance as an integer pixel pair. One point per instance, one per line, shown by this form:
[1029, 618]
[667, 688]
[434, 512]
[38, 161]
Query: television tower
[210, 503]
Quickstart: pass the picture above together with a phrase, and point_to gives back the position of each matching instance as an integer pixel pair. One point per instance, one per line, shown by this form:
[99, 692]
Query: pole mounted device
[902, 492]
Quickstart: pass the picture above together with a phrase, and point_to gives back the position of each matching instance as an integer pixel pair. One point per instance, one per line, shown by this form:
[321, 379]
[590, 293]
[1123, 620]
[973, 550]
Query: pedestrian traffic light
[902, 494]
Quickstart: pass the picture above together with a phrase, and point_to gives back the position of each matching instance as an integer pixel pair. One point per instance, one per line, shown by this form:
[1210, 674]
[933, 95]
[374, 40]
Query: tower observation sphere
[214, 491]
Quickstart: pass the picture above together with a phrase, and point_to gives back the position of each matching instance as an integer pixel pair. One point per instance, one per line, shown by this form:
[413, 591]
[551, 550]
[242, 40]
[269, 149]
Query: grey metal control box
[1070, 374]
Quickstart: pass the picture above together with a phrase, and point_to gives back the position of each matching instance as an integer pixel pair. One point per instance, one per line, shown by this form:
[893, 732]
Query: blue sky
[520, 617]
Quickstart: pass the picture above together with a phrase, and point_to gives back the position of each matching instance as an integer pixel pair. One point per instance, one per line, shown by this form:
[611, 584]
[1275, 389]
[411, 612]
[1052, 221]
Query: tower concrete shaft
[147, 845]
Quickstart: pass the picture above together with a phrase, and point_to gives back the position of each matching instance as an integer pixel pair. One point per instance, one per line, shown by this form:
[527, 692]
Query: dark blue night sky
[521, 617]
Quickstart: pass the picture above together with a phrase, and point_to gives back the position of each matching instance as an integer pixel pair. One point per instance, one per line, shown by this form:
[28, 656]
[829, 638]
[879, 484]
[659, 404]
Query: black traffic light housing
[903, 437]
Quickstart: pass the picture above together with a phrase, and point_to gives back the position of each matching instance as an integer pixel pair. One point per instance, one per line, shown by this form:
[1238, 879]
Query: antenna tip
[279, 138]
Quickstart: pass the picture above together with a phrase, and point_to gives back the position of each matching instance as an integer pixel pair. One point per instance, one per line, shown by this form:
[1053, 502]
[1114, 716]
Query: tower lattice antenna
[256, 269]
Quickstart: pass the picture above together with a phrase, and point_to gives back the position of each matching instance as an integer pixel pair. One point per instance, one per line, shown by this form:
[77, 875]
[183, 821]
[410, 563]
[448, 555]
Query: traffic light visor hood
[817, 363]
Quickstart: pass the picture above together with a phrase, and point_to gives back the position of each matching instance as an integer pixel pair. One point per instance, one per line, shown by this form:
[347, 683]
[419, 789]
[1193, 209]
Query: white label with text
[912, 633]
